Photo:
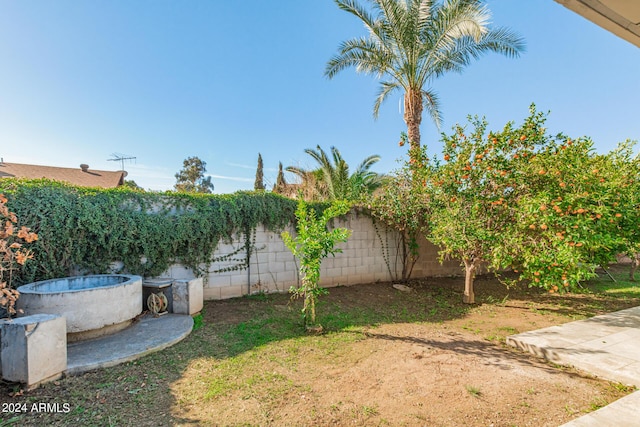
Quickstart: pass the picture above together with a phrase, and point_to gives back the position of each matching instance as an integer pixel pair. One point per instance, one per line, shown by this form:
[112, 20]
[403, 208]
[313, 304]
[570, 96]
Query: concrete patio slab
[147, 335]
[607, 346]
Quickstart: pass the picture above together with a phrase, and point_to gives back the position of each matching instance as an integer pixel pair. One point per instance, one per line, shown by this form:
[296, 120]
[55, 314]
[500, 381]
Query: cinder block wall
[370, 255]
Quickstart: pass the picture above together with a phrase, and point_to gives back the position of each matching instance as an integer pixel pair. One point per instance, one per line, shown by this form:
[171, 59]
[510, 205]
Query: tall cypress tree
[259, 184]
[280, 182]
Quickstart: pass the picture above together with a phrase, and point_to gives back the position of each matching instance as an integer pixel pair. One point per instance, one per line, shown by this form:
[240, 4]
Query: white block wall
[274, 269]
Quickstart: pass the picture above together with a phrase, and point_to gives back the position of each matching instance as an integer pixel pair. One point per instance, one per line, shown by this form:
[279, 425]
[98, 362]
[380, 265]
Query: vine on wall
[89, 229]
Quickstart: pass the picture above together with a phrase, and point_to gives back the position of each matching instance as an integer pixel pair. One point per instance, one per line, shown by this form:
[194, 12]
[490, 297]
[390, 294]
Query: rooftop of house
[82, 176]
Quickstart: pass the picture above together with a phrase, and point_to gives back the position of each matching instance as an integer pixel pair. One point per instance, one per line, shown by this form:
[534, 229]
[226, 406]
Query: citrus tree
[548, 207]
[472, 190]
[579, 212]
[628, 165]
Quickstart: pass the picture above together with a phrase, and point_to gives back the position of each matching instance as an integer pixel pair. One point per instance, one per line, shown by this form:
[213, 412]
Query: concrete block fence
[370, 255]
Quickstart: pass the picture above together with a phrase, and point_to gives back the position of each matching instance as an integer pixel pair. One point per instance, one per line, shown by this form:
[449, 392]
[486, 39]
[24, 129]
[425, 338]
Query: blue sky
[225, 80]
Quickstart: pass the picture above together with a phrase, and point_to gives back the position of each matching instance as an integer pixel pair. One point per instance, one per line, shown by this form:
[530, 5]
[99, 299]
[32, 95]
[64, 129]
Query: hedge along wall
[232, 240]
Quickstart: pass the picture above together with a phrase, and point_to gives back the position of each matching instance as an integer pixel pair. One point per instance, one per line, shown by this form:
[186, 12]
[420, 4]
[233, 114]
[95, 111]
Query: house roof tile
[76, 176]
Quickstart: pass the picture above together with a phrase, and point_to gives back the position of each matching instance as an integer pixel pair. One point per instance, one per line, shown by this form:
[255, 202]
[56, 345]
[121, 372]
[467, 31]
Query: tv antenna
[118, 157]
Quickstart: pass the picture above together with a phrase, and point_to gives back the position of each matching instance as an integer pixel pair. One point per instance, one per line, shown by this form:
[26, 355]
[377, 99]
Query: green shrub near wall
[89, 229]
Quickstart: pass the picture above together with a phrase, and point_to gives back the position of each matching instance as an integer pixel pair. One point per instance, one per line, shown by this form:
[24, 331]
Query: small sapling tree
[314, 242]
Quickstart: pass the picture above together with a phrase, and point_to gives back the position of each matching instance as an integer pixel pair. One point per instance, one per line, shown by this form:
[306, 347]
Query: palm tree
[413, 42]
[332, 181]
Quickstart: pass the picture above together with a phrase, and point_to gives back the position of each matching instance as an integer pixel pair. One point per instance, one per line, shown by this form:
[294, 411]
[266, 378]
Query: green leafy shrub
[311, 245]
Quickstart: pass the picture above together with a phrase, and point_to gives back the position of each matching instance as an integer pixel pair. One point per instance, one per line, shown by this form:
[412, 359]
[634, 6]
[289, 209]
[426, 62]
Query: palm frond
[356, 9]
[431, 103]
[385, 90]
[332, 179]
[366, 164]
[299, 172]
[363, 54]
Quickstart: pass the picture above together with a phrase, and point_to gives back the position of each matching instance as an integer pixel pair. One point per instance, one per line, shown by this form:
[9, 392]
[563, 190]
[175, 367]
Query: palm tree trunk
[413, 117]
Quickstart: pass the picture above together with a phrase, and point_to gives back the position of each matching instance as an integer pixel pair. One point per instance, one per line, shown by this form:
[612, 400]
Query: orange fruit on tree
[447, 157]
[544, 226]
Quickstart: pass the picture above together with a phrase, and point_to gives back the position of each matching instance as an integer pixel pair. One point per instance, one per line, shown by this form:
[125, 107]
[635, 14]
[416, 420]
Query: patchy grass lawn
[386, 358]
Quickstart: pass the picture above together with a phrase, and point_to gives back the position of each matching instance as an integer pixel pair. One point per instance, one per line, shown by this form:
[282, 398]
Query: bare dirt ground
[387, 358]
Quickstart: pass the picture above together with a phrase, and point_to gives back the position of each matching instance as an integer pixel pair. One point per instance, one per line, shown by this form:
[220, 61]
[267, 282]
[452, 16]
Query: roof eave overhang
[600, 14]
